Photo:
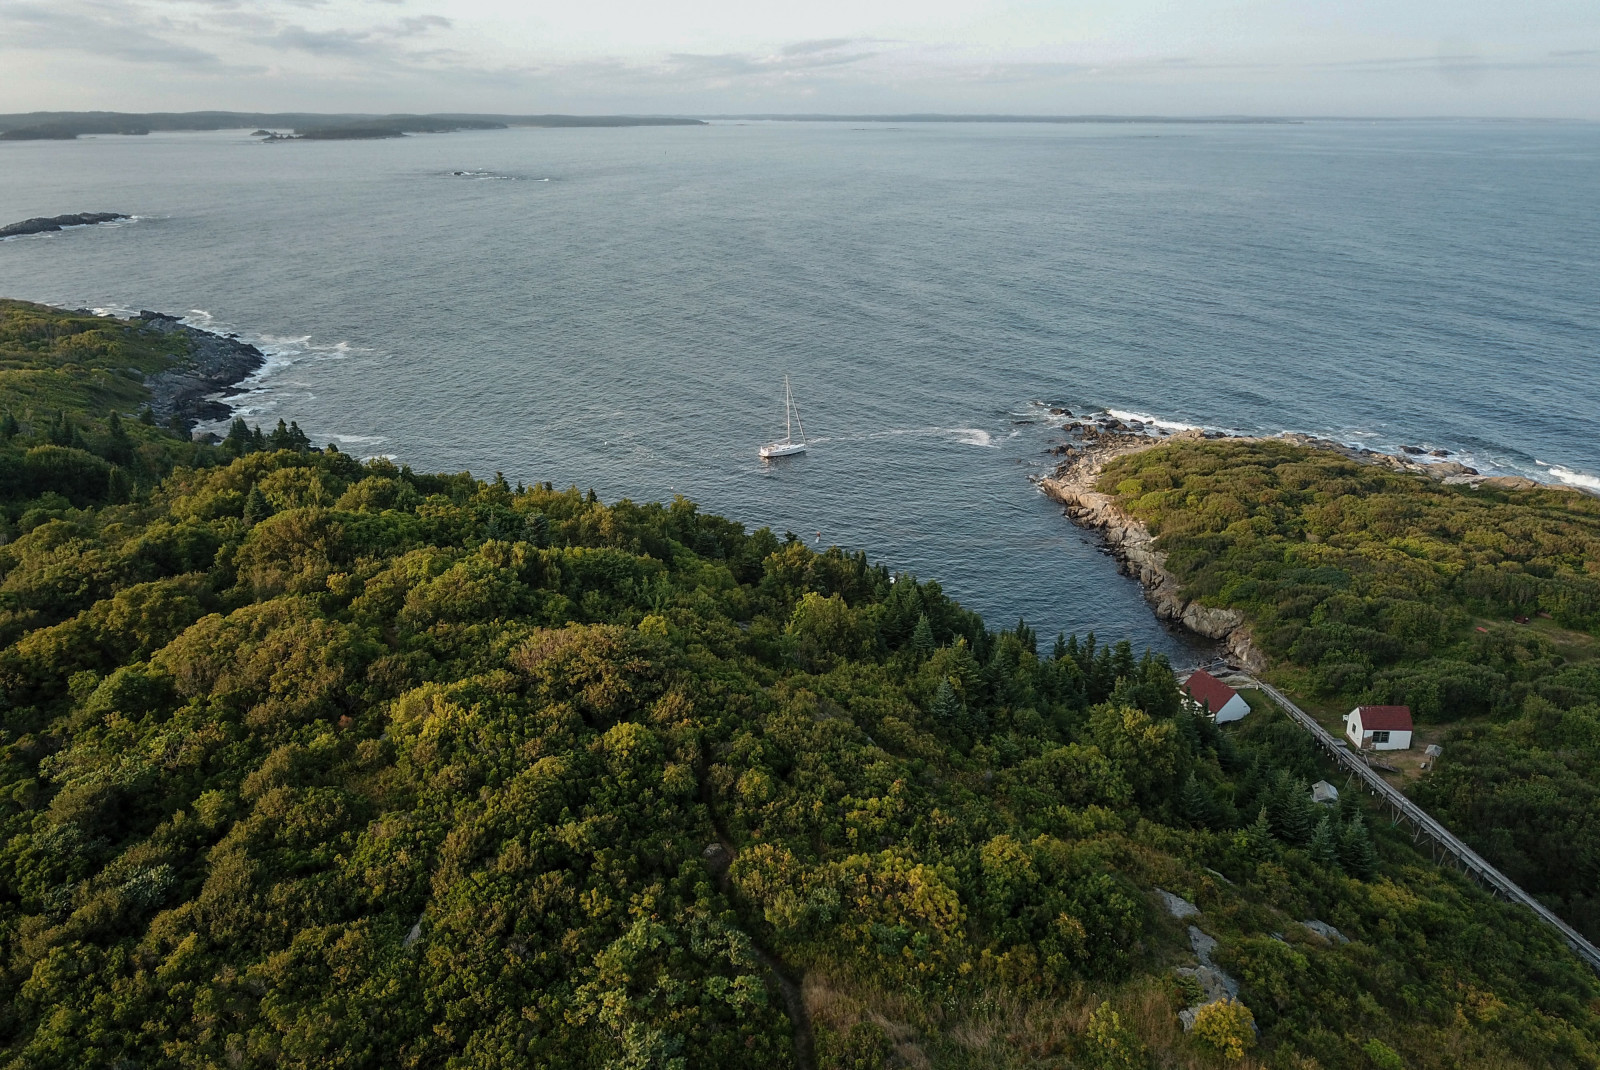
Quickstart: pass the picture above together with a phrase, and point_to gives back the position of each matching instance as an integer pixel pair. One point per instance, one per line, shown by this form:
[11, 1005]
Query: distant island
[48, 224]
[942, 117]
[64, 126]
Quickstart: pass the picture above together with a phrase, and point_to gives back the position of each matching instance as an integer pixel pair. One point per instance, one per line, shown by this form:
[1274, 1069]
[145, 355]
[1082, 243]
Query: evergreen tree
[256, 506]
[1256, 837]
[922, 642]
[178, 426]
[258, 441]
[1196, 804]
[119, 488]
[298, 439]
[61, 430]
[947, 706]
[1325, 845]
[147, 416]
[1356, 852]
[1290, 808]
[280, 438]
[537, 529]
[1060, 650]
[9, 427]
[1028, 637]
[119, 449]
[238, 440]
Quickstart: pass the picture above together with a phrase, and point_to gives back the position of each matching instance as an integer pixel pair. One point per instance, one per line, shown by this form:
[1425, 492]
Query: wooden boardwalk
[1442, 842]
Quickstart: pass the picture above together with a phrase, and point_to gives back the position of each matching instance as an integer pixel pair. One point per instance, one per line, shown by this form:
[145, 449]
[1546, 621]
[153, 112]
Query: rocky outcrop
[1130, 542]
[50, 224]
[1216, 984]
[214, 365]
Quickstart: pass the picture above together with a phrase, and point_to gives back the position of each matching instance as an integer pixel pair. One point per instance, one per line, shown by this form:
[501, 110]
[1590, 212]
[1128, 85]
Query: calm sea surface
[616, 308]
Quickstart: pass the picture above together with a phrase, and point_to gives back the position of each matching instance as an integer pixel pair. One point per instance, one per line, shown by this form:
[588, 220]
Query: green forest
[1478, 608]
[314, 762]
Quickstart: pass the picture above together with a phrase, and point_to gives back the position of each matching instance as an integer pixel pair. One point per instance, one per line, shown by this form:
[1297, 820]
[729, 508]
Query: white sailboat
[791, 416]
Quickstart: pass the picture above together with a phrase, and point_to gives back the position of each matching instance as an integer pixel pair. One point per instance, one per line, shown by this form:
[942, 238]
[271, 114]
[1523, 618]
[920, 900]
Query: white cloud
[1072, 56]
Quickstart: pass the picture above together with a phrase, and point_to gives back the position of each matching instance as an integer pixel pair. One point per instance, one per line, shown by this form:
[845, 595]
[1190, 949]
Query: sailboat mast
[788, 406]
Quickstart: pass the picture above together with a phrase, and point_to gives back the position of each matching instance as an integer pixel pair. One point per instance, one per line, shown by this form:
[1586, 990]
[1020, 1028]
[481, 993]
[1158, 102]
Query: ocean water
[616, 308]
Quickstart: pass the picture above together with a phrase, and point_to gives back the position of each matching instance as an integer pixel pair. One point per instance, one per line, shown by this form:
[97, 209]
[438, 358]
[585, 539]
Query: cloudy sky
[1536, 58]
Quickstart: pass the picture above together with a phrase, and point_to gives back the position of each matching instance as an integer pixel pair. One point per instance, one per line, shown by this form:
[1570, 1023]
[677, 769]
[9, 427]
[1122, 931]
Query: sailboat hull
[782, 449]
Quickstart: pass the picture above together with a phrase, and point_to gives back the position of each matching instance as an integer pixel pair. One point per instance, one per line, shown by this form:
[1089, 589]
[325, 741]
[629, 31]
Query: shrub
[1226, 1027]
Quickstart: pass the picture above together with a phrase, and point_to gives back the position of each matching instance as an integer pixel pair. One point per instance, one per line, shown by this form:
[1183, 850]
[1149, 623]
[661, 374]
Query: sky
[1532, 59]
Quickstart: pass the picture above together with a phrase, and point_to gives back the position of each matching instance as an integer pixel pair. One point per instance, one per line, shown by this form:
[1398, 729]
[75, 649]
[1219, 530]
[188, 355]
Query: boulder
[1326, 931]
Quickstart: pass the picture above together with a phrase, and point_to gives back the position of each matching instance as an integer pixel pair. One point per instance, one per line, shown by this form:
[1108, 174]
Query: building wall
[1397, 741]
[1236, 708]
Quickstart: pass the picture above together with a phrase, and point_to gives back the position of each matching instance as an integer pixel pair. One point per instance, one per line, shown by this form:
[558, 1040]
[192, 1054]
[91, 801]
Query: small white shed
[1324, 793]
[1221, 701]
[1379, 727]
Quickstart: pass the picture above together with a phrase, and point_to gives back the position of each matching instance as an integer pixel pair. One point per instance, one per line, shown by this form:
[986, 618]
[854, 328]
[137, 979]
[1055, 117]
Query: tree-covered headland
[1477, 607]
[314, 762]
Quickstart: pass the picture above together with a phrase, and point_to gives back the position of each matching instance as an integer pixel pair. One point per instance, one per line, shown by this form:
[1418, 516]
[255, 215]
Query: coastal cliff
[215, 363]
[1130, 541]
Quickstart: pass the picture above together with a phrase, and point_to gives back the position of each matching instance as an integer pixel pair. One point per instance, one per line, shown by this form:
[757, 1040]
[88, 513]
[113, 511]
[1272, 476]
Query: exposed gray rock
[1203, 945]
[46, 225]
[1216, 986]
[1177, 905]
[1326, 931]
[214, 364]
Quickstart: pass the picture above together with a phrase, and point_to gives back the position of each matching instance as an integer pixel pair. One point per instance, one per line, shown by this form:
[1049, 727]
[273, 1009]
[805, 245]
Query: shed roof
[1205, 688]
[1385, 718]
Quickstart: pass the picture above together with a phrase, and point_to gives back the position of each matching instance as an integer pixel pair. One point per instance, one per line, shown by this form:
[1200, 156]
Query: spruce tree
[1289, 806]
[9, 427]
[947, 706]
[1027, 637]
[147, 416]
[119, 488]
[256, 506]
[280, 439]
[1325, 845]
[922, 642]
[1059, 651]
[1256, 837]
[1356, 852]
[298, 439]
[119, 449]
[238, 440]
[61, 430]
[1196, 804]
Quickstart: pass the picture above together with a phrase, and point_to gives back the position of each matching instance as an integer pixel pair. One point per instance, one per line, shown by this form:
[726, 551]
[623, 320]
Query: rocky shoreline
[1094, 442]
[1130, 542]
[215, 365]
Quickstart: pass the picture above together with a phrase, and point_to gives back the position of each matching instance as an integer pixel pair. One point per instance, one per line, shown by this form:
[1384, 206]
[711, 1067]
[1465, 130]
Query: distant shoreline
[67, 126]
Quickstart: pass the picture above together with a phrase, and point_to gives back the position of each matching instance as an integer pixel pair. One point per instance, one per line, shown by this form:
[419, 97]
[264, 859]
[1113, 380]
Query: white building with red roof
[1221, 701]
[1379, 727]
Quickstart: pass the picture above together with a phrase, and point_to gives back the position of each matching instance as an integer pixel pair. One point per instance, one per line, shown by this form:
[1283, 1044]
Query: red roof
[1385, 718]
[1207, 689]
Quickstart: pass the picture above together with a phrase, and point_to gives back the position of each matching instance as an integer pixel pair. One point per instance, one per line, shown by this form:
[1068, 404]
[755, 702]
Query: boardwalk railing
[1445, 845]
